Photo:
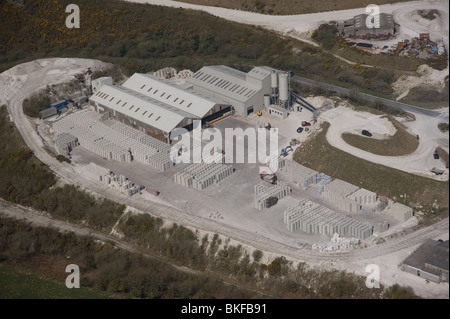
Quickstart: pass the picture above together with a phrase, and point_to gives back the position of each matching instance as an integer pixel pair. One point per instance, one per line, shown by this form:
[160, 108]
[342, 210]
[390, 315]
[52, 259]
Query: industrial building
[157, 106]
[429, 261]
[356, 27]
[246, 92]
[154, 105]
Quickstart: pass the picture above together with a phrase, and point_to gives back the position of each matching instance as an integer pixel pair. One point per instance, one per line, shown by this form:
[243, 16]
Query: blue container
[59, 105]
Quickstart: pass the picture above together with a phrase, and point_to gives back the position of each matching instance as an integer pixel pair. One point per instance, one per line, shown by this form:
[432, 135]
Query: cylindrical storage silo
[284, 87]
[274, 79]
[266, 99]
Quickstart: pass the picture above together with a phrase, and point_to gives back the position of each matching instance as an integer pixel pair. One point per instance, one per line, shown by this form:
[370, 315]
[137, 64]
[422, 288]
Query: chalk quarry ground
[17, 83]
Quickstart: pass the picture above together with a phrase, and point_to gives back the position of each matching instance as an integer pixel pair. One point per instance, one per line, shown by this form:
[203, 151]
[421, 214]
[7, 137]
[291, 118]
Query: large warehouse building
[155, 105]
[158, 106]
[244, 91]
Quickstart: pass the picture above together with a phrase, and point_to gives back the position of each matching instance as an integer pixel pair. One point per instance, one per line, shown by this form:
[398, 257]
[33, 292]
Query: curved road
[372, 98]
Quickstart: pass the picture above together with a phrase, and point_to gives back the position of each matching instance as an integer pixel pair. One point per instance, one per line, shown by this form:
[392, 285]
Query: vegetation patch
[401, 143]
[19, 284]
[443, 127]
[319, 155]
[27, 181]
[428, 97]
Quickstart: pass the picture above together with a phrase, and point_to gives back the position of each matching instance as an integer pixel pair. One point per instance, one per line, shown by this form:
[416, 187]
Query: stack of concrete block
[263, 192]
[382, 203]
[383, 226]
[95, 172]
[297, 173]
[140, 137]
[65, 142]
[338, 193]
[323, 180]
[116, 182]
[313, 218]
[184, 74]
[203, 175]
[115, 141]
[364, 197]
[401, 212]
[165, 73]
[336, 243]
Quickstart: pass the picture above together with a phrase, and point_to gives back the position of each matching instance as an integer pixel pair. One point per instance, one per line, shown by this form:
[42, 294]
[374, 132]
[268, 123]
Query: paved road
[371, 98]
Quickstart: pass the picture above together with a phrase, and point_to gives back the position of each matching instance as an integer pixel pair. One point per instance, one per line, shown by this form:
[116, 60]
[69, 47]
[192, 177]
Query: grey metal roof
[431, 252]
[171, 94]
[225, 81]
[140, 107]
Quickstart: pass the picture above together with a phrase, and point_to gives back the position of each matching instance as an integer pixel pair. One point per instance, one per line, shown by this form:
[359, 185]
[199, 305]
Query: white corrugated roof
[171, 94]
[225, 81]
[260, 72]
[140, 107]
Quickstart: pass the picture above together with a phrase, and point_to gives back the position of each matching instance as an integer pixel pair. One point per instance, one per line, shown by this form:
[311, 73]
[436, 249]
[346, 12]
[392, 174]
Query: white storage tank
[266, 99]
[274, 79]
[284, 87]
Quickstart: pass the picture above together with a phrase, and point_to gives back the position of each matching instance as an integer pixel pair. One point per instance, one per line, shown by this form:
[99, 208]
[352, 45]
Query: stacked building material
[95, 172]
[116, 182]
[115, 141]
[297, 173]
[313, 218]
[65, 142]
[382, 203]
[263, 192]
[338, 193]
[336, 243]
[401, 212]
[364, 197]
[203, 175]
[323, 180]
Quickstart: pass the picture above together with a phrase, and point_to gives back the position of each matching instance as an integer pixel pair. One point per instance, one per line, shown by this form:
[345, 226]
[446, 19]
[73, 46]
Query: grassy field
[377, 60]
[385, 181]
[401, 143]
[18, 284]
[287, 7]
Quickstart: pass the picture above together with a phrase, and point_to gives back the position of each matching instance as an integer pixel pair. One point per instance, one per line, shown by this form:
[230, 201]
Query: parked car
[366, 133]
[305, 123]
[436, 154]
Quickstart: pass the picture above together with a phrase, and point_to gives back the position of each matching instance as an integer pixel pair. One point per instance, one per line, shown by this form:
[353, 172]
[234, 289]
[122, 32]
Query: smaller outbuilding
[429, 261]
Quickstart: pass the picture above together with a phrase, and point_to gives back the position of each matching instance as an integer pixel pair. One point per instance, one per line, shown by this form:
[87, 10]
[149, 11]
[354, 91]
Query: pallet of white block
[348, 197]
[313, 218]
[203, 175]
[115, 141]
[263, 192]
[297, 173]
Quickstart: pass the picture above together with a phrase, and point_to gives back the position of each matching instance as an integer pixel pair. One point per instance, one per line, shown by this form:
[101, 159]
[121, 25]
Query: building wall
[257, 100]
[423, 274]
[136, 124]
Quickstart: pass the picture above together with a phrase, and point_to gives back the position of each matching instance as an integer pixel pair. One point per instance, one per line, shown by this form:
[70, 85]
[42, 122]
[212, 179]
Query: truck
[270, 201]
[59, 105]
[437, 171]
